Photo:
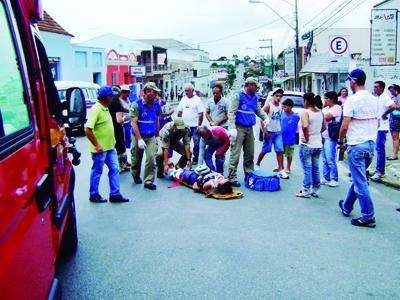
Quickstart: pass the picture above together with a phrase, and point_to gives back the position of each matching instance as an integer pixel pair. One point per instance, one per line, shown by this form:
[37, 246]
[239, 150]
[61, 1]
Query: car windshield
[297, 99]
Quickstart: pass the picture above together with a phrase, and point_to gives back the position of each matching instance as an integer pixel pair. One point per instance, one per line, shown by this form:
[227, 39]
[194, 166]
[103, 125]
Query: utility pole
[272, 58]
[296, 56]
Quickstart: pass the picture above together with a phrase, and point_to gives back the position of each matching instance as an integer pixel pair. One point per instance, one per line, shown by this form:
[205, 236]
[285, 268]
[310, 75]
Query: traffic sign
[338, 45]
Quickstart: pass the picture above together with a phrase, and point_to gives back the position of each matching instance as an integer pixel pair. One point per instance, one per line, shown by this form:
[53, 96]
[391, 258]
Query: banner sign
[289, 62]
[383, 37]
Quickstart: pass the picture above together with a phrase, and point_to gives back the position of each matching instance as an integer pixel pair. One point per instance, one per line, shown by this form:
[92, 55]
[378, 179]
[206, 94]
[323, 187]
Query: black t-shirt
[115, 107]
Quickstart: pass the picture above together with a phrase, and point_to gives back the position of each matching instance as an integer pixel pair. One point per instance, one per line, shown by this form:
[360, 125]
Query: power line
[338, 18]
[339, 10]
[320, 13]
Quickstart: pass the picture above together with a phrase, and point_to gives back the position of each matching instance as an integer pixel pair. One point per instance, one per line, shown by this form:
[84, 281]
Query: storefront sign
[138, 71]
[383, 37]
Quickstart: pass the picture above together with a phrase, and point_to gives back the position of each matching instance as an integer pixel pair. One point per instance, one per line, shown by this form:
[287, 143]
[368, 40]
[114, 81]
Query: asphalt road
[175, 244]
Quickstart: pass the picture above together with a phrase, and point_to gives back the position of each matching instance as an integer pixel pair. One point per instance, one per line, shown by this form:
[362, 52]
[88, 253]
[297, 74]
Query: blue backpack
[263, 181]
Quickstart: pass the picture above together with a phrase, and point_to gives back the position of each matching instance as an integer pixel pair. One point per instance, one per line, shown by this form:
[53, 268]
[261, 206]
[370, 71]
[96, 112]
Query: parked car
[89, 90]
[37, 179]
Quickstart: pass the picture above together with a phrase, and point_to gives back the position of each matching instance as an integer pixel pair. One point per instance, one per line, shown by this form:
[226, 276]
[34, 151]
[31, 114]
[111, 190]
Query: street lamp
[295, 28]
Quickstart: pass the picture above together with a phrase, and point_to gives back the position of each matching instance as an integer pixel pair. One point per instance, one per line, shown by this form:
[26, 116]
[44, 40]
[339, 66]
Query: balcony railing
[151, 68]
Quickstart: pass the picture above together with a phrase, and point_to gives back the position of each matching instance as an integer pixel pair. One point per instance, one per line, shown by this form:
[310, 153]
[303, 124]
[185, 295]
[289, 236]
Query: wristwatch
[340, 143]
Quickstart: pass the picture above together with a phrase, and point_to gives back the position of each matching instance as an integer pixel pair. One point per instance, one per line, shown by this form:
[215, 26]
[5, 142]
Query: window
[97, 59]
[54, 64]
[114, 78]
[14, 111]
[81, 59]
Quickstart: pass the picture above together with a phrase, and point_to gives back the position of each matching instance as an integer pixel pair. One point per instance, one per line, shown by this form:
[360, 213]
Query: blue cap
[358, 76]
[105, 91]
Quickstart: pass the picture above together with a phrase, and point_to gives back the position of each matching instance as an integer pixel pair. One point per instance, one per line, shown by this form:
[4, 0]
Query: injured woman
[202, 181]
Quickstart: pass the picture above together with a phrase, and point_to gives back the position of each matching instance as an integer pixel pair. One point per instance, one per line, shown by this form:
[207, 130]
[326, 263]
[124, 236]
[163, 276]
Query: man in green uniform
[99, 130]
[145, 123]
[170, 136]
[242, 117]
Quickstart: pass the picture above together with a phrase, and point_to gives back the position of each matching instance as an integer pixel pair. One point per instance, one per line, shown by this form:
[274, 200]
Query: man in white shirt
[360, 124]
[191, 109]
[385, 107]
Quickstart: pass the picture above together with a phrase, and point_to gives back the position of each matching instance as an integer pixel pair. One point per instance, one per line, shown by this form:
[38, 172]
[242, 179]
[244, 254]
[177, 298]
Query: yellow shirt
[99, 119]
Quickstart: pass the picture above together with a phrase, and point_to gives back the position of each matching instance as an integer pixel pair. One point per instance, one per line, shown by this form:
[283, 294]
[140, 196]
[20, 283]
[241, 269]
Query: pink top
[342, 99]
[336, 112]
[223, 135]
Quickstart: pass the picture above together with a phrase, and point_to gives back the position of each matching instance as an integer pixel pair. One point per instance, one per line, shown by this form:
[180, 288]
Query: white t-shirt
[190, 109]
[362, 109]
[384, 102]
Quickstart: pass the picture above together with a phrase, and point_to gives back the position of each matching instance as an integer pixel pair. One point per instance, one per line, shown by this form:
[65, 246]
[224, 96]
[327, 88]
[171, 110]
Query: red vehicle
[37, 214]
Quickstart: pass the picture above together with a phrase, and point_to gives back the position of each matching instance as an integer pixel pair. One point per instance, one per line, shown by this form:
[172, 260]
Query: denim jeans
[309, 158]
[109, 158]
[380, 151]
[196, 141]
[128, 134]
[330, 169]
[219, 161]
[360, 157]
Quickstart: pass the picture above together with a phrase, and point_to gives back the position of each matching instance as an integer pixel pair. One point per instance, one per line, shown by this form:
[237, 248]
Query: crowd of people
[325, 126]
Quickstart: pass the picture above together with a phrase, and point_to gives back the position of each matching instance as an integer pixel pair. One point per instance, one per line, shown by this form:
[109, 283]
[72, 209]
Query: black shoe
[245, 176]
[363, 223]
[398, 209]
[160, 175]
[150, 186]
[344, 213]
[97, 199]
[137, 180]
[118, 198]
[235, 183]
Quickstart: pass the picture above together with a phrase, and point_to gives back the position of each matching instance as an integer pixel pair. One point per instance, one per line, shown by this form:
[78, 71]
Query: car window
[298, 100]
[85, 93]
[14, 111]
[93, 93]
[61, 94]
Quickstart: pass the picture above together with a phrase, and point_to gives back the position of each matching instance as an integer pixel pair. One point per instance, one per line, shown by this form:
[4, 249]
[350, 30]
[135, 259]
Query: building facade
[68, 61]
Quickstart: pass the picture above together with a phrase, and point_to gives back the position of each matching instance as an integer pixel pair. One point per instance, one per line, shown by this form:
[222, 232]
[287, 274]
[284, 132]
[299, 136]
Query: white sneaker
[315, 192]
[325, 182]
[377, 176]
[333, 183]
[304, 193]
[282, 174]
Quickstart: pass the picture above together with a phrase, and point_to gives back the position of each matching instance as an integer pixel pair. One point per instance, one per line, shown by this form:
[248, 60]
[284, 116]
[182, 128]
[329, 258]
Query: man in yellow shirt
[100, 132]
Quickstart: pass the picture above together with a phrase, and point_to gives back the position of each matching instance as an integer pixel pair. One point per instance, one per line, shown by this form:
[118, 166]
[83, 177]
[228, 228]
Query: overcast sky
[221, 27]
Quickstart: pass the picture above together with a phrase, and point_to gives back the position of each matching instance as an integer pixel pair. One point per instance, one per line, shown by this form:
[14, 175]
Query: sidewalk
[392, 169]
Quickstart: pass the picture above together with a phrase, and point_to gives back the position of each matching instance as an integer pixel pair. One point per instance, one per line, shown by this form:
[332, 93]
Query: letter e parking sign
[338, 45]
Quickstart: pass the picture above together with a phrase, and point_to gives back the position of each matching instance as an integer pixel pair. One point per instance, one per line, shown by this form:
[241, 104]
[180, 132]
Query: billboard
[138, 71]
[289, 62]
[383, 48]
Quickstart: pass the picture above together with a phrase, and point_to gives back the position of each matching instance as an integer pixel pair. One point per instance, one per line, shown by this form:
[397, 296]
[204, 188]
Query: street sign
[383, 37]
[138, 71]
[338, 45]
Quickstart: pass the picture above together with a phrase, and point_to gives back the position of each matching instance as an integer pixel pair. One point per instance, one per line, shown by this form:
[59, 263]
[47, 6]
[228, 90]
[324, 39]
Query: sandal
[391, 158]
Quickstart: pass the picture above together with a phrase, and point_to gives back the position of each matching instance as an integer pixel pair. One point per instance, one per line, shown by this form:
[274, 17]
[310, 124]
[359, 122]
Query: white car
[89, 90]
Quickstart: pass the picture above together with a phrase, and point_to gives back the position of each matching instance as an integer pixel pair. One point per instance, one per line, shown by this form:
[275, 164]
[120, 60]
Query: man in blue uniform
[242, 117]
[145, 123]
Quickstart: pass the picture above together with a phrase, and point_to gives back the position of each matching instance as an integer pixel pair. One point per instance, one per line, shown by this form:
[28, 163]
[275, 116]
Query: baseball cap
[151, 86]
[105, 91]
[358, 76]
[252, 80]
[277, 90]
[125, 88]
[179, 123]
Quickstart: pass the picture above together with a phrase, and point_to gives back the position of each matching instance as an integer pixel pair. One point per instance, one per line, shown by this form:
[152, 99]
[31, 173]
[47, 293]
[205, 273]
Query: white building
[68, 61]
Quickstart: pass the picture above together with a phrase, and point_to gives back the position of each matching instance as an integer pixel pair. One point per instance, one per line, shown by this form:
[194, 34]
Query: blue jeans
[196, 141]
[309, 158]
[219, 161]
[381, 151]
[128, 134]
[360, 157]
[275, 138]
[330, 169]
[109, 158]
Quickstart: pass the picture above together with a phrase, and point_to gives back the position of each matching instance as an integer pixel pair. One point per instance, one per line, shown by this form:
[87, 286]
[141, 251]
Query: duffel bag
[263, 181]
